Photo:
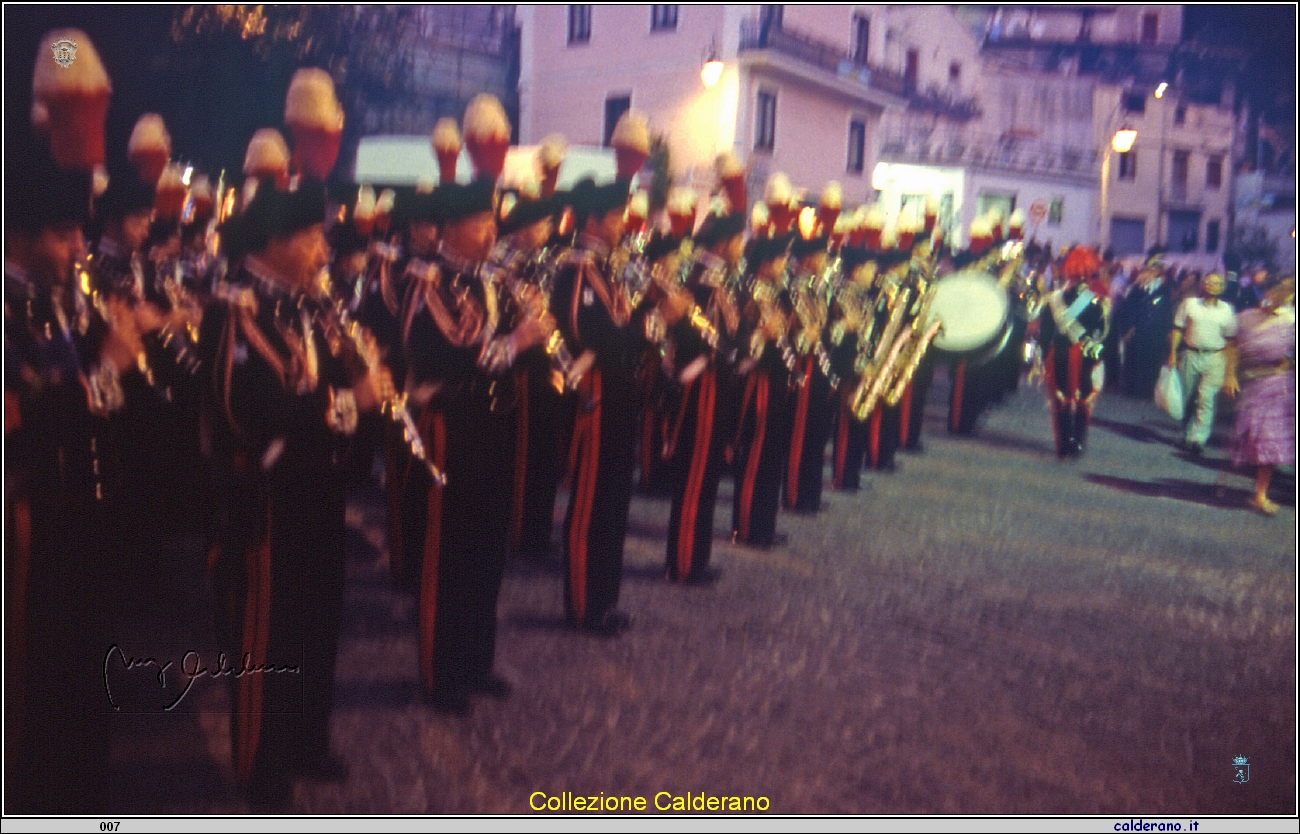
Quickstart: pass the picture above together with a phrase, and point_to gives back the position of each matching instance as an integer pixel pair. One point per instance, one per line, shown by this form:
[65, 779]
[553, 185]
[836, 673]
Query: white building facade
[981, 107]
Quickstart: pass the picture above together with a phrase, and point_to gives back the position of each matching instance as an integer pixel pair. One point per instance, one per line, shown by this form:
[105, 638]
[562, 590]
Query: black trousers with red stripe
[913, 403]
[974, 389]
[398, 467]
[883, 435]
[813, 410]
[850, 446]
[464, 550]
[279, 582]
[545, 418]
[655, 474]
[699, 437]
[1070, 392]
[603, 459]
[760, 454]
[60, 559]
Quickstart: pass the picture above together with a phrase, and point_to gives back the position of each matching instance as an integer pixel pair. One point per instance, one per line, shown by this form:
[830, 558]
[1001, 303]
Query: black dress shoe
[491, 685]
[448, 701]
[1195, 449]
[325, 769]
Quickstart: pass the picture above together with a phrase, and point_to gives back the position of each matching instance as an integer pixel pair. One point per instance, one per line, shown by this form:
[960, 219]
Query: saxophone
[879, 366]
[764, 295]
[922, 333]
[505, 269]
[811, 308]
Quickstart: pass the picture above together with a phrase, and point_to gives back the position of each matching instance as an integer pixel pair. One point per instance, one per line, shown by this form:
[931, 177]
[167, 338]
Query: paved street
[987, 630]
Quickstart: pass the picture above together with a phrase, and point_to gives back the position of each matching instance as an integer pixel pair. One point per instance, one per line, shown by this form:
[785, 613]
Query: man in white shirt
[1203, 327]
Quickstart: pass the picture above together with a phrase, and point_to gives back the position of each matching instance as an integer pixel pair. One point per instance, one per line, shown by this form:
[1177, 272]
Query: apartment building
[982, 106]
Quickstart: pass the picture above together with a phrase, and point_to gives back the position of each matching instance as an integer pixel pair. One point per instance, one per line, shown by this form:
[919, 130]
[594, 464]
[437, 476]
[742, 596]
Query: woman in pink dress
[1263, 380]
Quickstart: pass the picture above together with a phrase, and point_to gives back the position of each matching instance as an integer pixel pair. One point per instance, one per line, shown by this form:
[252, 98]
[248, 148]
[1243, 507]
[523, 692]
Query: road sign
[1038, 211]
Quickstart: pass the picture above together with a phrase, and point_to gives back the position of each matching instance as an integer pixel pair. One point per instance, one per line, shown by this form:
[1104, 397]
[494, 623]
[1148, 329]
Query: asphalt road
[985, 631]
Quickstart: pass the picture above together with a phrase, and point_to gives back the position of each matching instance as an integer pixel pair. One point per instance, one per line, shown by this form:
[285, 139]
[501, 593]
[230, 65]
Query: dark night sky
[1266, 34]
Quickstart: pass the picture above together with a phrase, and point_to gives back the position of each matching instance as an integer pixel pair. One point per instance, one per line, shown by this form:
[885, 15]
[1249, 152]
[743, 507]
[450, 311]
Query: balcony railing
[759, 35]
[994, 153]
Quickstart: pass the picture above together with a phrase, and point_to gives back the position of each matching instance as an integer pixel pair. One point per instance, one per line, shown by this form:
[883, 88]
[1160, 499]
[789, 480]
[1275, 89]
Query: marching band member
[594, 316]
[393, 275]
[544, 413]
[64, 370]
[284, 397]
[810, 428]
[462, 335]
[704, 336]
[854, 315]
[1071, 340]
[763, 431]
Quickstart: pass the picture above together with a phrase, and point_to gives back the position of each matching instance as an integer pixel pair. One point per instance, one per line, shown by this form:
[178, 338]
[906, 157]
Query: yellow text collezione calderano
[661, 801]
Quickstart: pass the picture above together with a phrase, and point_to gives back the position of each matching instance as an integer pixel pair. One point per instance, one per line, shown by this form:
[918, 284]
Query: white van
[408, 160]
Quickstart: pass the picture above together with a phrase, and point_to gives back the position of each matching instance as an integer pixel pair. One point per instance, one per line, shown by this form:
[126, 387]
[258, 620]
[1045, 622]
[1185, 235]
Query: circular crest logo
[65, 51]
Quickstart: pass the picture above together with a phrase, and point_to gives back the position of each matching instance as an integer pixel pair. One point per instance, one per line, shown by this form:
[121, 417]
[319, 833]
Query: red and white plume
[550, 157]
[314, 117]
[149, 147]
[71, 101]
[487, 135]
[268, 157]
[829, 206]
[446, 147]
[731, 178]
[681, 210]
[631, 142]
[779, 196]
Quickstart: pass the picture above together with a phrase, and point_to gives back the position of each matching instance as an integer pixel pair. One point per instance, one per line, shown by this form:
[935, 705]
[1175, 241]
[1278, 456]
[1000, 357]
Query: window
[1128, 165]
[1180, 114]
[954, 72]
[1183, 227]
[1002, 201]
[912, 69]
[1135, 103]
[857, 146]
[1127, 236]
[765, 122]
[1181, 160]
[1055, 211]
[1214, 172]
[1212, 236]
[1150, 28]
[861, 39]
[663, 18]
[579, 24]
[615, 107]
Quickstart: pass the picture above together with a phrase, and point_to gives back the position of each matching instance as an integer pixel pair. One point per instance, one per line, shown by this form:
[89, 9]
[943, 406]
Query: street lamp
[1120, 142]
[711, 72]
[1123, 139]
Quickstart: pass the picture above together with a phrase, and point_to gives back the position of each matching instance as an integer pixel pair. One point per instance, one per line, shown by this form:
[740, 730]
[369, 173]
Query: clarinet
[394, 405]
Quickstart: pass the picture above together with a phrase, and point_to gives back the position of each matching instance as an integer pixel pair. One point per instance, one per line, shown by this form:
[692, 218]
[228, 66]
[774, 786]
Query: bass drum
[976, 316]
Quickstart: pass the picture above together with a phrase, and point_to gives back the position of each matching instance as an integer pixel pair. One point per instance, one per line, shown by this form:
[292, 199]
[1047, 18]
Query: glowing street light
[1160, 90]
[1123, 139]
[711, 74]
